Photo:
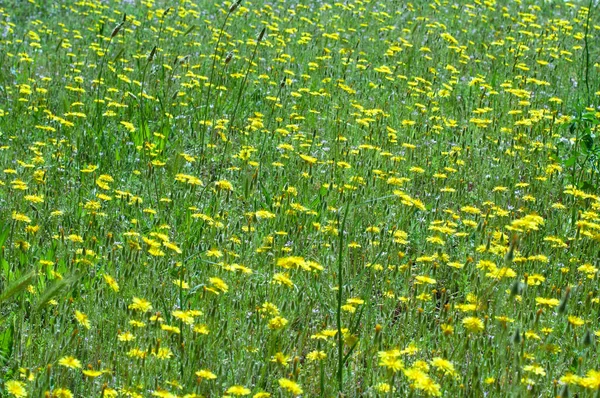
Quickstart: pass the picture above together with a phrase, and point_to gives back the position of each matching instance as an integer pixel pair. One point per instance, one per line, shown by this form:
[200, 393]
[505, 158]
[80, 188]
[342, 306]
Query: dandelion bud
[116, 30]
[183, 60]
[152, 53]
[516, 337]
[587, 338]
[563, 304]
[480, 226]
[234, 6]
[262, 34]
[510, 255]
[538, 314]
[515, 289]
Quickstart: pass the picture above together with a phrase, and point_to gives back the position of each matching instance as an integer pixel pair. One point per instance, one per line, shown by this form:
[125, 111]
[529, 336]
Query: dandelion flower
[473, 324]
[238, 390]
[70, 362]
[16, 388]
[92, 373]
[141, 305]
[206, 374]
[277, 323]
[290, 386]
[82, 319]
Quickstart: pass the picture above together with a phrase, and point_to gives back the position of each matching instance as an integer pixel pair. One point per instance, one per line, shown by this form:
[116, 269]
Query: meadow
[280, 198]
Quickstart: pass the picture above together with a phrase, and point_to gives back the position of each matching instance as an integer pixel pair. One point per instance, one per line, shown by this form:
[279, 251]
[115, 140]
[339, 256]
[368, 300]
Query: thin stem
[587, 52]
[340, 378]
[241, 90]
[212, 68]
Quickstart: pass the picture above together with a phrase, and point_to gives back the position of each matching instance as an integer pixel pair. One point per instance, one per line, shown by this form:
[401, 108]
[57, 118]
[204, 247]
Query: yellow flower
[535, 369]
[164, 394]
[185, 316]
[283, 279]
[126, 336]
[172, 246]
[20, 217]
[470, 210]
[591, 380]
[576, 321]
[16, 388]
[201, 329]
[550, 302]
[170, 329]
[291, 262]
[444, 365]
[112, 283]
[425, 279]
[82, 319]
[281, 359]
[473, 324]
[219, 284]
[389, 360]
[260, 214]
[224, 185]
[62, 393]
[290, 386]
[75, 238]
[277, 323]
[163, 353]
[92, 373]
[214, 253]
[206, 374]
[422, 381]
[238, 390]
[316, 356]
[129, 126]
[139, 304]
[136, 353]
[308, 159]
[383, 387]
[70, 362]
[110, 393]
[447, 329]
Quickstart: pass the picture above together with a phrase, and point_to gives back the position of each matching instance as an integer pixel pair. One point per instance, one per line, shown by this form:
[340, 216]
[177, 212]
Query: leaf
[119, 54]
[18, 286]
[53, 290]
[587, 186]
[571, 161]
[6, 344]
[187, 32]
[4, 231]
[589, 117]
[588, 141]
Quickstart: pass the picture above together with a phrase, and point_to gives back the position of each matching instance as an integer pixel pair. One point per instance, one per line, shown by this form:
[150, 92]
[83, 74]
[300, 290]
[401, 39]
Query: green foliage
[279, 198]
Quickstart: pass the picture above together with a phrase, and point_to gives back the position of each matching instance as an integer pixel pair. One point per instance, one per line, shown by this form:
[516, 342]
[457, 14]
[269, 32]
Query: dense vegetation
[281, 198]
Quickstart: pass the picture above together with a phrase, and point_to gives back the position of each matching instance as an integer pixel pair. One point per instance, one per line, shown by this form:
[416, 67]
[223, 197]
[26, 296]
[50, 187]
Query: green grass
[356, 198]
